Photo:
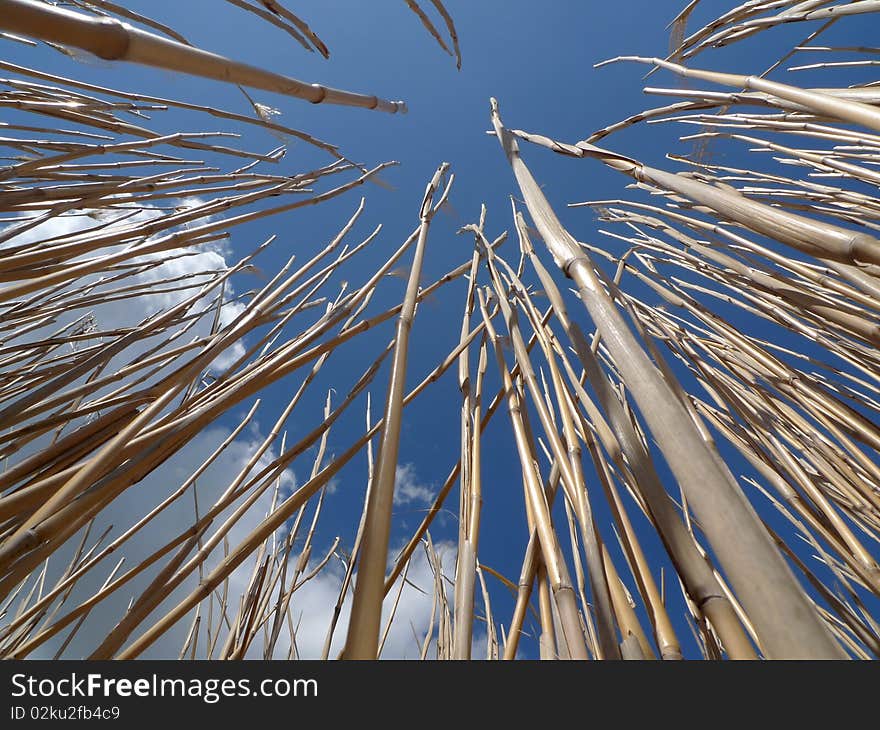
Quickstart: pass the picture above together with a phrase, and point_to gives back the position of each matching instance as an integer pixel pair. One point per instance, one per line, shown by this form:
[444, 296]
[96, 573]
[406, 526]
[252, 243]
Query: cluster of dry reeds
[639, 402]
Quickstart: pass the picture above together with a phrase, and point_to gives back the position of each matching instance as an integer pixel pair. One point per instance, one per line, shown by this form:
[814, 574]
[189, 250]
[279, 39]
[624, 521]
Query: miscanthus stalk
[671, 414]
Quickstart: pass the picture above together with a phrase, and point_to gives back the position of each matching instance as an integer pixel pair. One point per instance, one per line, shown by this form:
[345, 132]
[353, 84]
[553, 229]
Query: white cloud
[191, 263]
[141, 498]
[408, 488]
[312, 604]
[137, 501]
[312, 609]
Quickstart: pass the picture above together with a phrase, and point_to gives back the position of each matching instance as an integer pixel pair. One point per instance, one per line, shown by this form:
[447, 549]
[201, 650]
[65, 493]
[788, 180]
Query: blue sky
[537, 59]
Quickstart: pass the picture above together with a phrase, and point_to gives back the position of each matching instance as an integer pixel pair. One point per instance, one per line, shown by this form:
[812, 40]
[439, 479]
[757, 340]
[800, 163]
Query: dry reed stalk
[276, 14]
[272, 521]
[792, 628]
[470, 492]
[269, 124]
[693, 567]
[537, 506]
[94, 409]
[578, 496]
[116, 41]
[366, 611]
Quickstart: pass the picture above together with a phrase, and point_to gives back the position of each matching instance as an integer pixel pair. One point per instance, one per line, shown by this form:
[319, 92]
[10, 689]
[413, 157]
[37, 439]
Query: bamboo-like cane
[466, 558]
[536, 499]
[791, 628]
[116, 41]
[798, 410]
[366, 611]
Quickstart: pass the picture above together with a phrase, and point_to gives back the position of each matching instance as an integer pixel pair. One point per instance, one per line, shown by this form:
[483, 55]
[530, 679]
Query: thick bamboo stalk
[537, 501]
[113, 40]
[785, 619]
[466, 558]
[366, 611]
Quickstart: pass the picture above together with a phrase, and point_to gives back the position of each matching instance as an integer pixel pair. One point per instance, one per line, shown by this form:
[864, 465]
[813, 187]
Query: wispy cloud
[409, 488]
